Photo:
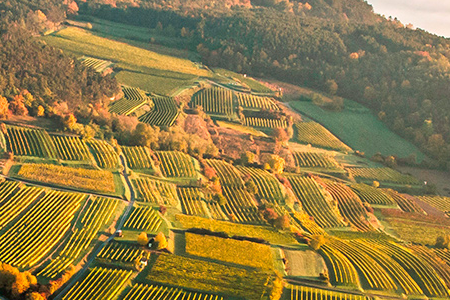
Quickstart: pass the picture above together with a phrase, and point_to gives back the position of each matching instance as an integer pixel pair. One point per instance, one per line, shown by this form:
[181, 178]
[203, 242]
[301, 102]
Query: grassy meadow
[148, 70]
[359, 129]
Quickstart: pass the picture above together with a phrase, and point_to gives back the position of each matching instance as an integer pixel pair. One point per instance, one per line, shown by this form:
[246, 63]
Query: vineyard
[316, 135]
[101, 284]
[138, 157]
[439, 202]
[155, 191]
[122, 252]
[215, 101]
[29, 142]
[427, 278]
[314, 160]
[104, 154]
[373, 275]
[211, 277]
[97, 213]
[176, 164]
[143, 218]
[307, 293]
[405, 202]
[382, 175]
[249, 101]
[38, 230]
[191, 202]
[372, 195]
[132, 100]
[308, 192]
[264, 122]
[99, 65]
[14, 200]
[350, 206]
[150, 292]
[164, 112]
[77, 178]
[341, 270]
[269, 187]
[227, 173]
[71, 148]
[232, 251]
[240, 206]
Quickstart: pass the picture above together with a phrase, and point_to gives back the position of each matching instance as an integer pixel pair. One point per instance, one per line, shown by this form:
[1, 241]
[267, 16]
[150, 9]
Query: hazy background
[431, 15]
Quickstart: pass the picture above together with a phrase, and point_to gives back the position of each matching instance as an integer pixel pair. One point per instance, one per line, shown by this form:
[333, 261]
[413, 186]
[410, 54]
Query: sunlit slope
[139, 67]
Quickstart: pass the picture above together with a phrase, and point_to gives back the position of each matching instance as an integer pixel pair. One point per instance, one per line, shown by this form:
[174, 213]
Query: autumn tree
[142, 239]
[282, 222]
[316, 242]
[4, 105]
[161, 241]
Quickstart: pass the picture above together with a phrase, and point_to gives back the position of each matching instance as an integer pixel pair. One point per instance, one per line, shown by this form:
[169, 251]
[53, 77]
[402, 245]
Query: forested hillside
[339, 47]
[33, 76]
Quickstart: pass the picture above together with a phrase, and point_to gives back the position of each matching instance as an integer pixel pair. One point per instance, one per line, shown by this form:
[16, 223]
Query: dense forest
[36, 78]
[339, 47]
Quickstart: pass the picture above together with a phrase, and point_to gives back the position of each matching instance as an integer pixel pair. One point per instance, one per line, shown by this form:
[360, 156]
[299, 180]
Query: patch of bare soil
[304, 263]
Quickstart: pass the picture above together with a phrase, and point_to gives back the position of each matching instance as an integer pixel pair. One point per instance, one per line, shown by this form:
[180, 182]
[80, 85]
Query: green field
[359, 129]
[141, 68]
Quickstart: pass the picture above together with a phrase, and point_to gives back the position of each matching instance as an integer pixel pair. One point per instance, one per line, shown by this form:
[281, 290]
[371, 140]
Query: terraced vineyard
[395, 270]
[426, 277]
[191, 202]
[308, 293]
[314, 160]
[100, 284]
[164, 112]
[121, 252]
[227, 173]
[14, 199]
[132, 100]
[96, 215]
[264, 122]
[216, 101]
[150, 292]
[428, 255]
[37, 231]
[71, 148]
[99, 65]
[374, 276]
[104, 154]
[143, 218]
[350, 206]
[308, 192]
[269, 187]
[307, 223]
[23, 141]
[176, 164]
[155, 191]
[405, 202]
[229, 250]
[381, 174]
[138, 157]
[372, 195]
[315, 134]
[184, 272]
[439, 202]
[240, 206]
[249, 101]
[341, 270]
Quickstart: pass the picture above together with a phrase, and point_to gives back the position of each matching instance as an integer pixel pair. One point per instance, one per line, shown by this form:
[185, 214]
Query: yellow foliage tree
[142, 239]
[161, 240]
[3, 107]
[35, 296]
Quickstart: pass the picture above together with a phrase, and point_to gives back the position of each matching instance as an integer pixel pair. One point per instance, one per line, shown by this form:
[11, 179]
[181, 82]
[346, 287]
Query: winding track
[99, 248]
